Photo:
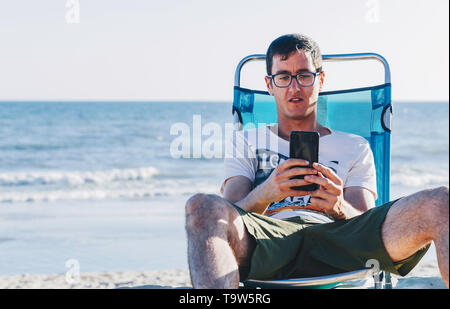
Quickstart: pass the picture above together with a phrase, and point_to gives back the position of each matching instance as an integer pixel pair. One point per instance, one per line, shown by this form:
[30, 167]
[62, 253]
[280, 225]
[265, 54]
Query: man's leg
[218, 242]
[414, 221]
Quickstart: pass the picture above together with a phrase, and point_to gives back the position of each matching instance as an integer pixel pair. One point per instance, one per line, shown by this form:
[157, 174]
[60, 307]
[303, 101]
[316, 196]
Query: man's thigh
[348, 245]
[409, 225]
[276, 243]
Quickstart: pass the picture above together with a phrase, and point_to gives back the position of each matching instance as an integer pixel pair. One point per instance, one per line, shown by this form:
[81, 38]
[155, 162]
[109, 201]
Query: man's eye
[283, 77]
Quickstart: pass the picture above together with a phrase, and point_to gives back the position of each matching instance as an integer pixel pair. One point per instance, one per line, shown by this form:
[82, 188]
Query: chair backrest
[362, 111]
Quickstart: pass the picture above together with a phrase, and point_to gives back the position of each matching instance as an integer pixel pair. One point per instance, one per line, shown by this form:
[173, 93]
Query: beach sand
[424, 276]
[162, 279]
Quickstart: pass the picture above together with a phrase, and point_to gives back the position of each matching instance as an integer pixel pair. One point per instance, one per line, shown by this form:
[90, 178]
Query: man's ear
[269, 84]
[321, 80]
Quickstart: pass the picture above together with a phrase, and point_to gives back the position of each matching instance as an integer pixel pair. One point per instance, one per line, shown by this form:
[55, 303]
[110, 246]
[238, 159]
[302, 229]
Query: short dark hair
[289, 43]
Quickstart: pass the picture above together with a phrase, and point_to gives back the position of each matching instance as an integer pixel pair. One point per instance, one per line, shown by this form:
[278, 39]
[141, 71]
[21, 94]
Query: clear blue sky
[188, 50]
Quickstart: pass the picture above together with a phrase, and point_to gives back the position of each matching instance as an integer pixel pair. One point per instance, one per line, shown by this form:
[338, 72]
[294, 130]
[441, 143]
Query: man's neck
[284, 128]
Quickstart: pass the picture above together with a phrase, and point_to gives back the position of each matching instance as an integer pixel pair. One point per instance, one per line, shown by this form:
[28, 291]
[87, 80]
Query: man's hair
[289, 43]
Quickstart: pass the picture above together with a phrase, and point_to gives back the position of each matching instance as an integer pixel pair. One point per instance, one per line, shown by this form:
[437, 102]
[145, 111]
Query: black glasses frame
[272, 77]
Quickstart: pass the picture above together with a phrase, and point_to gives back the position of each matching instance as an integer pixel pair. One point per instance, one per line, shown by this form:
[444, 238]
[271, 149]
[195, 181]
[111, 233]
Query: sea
[104, 183]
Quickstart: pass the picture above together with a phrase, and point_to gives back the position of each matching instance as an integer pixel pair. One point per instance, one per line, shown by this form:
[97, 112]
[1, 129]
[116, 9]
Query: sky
[188, 50]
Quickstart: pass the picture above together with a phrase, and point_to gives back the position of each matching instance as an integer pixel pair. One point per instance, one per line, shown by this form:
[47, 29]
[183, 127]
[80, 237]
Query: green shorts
[295, 248]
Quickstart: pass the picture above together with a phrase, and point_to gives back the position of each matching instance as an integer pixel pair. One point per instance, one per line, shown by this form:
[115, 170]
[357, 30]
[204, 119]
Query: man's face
[295, 102]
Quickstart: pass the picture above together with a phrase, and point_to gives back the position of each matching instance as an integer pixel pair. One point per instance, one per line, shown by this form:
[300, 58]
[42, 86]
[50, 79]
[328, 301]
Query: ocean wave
[419, 180]
[32, 147]
[131, 193]
[74, 178]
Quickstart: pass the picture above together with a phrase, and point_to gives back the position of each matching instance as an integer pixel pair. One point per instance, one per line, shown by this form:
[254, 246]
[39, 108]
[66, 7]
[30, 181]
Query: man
[263, 229]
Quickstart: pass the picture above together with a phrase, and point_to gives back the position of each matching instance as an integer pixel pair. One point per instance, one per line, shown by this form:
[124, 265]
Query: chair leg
[388, 282]
[378, 280]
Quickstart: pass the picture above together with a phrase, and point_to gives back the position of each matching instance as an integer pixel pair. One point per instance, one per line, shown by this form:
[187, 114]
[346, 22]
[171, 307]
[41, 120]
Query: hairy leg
[218, 242]
[416, 220]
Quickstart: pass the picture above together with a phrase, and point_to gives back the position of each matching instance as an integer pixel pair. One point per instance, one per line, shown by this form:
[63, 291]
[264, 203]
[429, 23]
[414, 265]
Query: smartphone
[304, 145]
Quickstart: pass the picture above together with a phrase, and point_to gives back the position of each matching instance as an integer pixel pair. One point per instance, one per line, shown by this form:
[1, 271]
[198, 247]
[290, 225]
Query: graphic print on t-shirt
[267, 161]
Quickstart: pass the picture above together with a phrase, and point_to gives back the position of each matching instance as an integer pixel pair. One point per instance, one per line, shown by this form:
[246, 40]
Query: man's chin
[301, 112]
[300, 115]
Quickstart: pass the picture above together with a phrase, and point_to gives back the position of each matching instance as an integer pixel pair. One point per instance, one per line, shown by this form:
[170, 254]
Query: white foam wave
[101, 194]
[74, 178]
[419, 180]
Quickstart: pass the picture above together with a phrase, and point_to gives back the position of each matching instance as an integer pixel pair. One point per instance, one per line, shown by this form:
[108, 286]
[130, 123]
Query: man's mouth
[295, 100]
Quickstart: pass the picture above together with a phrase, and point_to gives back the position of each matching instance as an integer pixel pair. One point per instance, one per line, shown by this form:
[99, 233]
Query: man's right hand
[278, 185]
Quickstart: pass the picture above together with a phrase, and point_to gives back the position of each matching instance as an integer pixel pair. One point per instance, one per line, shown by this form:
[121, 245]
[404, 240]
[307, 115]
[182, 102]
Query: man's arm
[361, 199]
[357, 200]
[239, 191]
[236, 188]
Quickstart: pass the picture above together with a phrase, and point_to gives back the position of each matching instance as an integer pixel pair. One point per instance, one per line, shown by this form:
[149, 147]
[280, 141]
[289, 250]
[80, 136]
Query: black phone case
[304, 145]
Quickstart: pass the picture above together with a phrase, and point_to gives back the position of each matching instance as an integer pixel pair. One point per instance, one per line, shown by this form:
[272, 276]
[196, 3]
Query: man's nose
[294, 84]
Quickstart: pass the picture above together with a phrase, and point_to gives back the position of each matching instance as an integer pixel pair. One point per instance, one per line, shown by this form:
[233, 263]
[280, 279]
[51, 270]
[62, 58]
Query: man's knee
[204, 209]
[443, 194]
[436, 204]
[440, 201]
[195, 202]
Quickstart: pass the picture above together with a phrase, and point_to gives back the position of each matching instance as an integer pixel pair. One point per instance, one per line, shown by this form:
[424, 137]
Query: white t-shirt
[256, 153]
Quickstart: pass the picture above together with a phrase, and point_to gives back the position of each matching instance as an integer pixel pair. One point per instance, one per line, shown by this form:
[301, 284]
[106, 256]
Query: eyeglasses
[304, 79]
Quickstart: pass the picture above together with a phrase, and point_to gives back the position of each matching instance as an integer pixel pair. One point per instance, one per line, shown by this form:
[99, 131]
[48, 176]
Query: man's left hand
[330, 195]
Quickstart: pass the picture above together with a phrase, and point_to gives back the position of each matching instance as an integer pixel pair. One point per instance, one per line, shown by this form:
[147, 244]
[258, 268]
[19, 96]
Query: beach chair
[363, 111]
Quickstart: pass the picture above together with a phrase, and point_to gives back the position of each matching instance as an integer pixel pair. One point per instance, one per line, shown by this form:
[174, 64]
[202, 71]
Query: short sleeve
[362, 172]
[240, 158]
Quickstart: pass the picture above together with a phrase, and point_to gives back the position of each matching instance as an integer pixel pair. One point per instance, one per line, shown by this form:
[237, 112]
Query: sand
[424, 276]
[104, 280]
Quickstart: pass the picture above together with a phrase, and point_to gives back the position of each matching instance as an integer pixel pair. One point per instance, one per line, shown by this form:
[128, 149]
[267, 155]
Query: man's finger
[293, 183]
[328, 172]
[320, 204]
[298, 171]
[324, 182]
[290, 163]
[293, 192]
[324, 195]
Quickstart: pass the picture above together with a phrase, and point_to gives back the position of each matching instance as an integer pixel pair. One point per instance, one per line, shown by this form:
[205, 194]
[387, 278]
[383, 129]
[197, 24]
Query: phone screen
[304, 145]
